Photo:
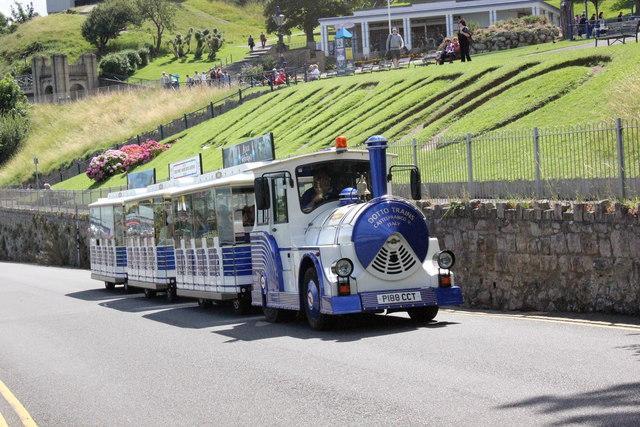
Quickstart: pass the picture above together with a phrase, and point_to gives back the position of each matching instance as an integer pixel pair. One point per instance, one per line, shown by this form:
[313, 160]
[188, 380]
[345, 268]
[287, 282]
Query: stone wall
[512, 34]
[44, 238]
[549, 257]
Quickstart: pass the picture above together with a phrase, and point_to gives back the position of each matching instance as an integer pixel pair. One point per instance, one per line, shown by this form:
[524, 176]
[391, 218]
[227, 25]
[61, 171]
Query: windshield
[320, 183]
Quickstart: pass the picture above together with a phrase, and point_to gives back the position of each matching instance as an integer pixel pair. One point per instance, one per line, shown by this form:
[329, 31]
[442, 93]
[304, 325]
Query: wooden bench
[618, 31]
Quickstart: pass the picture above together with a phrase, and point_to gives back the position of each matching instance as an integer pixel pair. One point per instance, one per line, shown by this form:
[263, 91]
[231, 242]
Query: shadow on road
[634, 348]
[347, 328]
[617, 405]
[98, 294]
[195, 317]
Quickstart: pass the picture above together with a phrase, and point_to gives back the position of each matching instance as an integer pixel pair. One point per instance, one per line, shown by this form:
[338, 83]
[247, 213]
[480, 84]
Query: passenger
[248, 216]
[321, 191]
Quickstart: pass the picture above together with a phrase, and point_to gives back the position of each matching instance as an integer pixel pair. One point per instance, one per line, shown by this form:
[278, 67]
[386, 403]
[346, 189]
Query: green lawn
[546, 85]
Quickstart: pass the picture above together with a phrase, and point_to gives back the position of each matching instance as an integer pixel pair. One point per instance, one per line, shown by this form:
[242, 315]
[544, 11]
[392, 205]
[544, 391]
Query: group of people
[251, 42]
[212, 77]
[593, 26]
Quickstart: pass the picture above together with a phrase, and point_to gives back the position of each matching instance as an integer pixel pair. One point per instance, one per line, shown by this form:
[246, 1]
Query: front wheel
[423, 314]
[149, 293]
[109, 285]
[311, 301]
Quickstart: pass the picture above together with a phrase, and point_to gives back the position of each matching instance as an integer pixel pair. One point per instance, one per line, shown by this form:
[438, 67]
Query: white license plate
[399, 297]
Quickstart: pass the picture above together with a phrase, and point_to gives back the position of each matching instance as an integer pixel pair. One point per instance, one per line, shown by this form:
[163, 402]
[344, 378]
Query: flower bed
[112, 162]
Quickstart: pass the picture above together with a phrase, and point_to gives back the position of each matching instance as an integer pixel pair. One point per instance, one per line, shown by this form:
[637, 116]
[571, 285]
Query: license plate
[399, 297]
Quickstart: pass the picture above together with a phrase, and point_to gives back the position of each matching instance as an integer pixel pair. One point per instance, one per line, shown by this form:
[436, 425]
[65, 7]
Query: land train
[316, 234]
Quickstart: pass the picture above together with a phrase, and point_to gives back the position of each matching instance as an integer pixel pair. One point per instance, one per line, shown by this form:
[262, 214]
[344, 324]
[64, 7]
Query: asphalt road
[74, 353]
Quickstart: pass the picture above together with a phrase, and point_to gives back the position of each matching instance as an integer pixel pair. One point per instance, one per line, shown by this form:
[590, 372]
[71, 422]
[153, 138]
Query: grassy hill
[61, 33]
[545, 85]
[62, 133]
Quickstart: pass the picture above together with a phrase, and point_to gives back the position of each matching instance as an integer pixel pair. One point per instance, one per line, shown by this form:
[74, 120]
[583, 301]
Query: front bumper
[368, 301]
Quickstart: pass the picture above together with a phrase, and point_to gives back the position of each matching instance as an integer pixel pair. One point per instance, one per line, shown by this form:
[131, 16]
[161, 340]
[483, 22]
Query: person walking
[395, 44]
[251, 43]
[263, 40]
[464, 39]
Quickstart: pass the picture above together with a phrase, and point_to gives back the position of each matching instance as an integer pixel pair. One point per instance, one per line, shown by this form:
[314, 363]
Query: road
[74, 353]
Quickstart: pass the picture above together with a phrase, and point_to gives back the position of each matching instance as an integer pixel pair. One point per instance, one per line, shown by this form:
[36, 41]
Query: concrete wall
[44, 238]
[562, 257]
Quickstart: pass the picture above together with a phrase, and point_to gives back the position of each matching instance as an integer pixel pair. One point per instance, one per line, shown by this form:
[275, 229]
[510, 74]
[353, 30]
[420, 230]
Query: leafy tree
[161, 13]
[14, 122]
[214, 43]
[12, 99]
[21, 14]
[628, 5]
[304, 14]
[4, 24]
[106, 21]
[201, 38]
[177, 45]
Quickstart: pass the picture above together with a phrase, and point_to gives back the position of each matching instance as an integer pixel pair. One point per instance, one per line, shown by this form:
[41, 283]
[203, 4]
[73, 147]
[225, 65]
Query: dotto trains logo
[391, 217]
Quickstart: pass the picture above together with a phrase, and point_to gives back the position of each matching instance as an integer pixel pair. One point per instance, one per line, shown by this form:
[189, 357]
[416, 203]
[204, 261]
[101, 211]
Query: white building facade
[428, 22]
[54, 6]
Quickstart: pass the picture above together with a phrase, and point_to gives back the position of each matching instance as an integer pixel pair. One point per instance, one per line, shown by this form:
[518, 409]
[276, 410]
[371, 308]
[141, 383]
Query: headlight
[343, 267]
[445, 259]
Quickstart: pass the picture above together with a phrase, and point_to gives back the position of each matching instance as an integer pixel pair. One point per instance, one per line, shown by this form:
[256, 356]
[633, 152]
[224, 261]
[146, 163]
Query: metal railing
[574, 162]
[52, 201]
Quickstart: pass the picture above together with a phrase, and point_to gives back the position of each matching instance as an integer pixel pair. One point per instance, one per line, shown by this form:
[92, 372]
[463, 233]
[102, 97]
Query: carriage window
[279, 202]
[224, 214]
[320, 183]
[94, 223]
[244, 213]
[163, 224]
[182, 218]
[145, 213]
[210, 216]
[106, 220]
[199, 216]
[118, 222]
[132, 223]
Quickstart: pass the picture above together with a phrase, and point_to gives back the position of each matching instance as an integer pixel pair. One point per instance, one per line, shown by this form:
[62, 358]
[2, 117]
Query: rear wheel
[423, 314]
[311, 301]
[109, 285]
[149, 293]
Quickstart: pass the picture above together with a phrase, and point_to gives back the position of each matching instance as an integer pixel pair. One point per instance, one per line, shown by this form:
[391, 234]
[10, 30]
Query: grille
[395, 259]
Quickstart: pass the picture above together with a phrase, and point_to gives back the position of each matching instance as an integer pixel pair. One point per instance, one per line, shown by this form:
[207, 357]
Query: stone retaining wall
[550, 257]
[44, 238]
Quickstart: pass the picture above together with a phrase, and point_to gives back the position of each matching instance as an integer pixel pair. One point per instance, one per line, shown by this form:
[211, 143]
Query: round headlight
[343, 267]
[445, 260]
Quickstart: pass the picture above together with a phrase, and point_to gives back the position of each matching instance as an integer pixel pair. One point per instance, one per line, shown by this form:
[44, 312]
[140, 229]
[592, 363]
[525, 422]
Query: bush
[116, 64]
[12, 99]
[145, 56]
[133, 57]
[127, 157]
[13, 128]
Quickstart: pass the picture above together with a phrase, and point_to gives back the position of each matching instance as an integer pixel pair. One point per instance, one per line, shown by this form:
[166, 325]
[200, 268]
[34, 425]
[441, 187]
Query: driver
[321, 191]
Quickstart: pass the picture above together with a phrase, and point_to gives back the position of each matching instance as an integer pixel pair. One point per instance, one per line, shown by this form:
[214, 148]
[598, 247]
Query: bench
[429, 58]
[618, 32]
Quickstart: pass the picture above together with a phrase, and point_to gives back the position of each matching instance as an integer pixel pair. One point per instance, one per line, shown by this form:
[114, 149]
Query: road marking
[21, 411]
[550, 319]
[3, 423]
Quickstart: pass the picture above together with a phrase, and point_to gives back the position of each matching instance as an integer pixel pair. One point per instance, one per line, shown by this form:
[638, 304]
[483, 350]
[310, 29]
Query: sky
[39, 5]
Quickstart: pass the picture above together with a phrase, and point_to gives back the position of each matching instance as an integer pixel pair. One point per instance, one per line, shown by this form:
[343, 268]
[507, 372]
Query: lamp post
[35, 162]
[279, 20]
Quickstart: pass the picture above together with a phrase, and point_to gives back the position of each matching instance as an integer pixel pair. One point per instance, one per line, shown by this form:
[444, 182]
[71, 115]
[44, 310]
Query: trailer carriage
[298, 235]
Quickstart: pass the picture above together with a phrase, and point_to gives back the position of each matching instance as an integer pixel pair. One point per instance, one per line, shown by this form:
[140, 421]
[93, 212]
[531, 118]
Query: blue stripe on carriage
[121, 256]
[165, 257]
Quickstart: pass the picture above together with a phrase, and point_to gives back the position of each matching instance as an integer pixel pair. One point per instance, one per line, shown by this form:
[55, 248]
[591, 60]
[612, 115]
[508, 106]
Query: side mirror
[261, 188]
[416, 184]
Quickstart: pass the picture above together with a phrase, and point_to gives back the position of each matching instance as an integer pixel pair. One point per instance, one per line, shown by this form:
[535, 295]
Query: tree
[21, 14]
[214, 43]
[161, 13]
[106, 21]
[628, 5]
[12, 99]
[4, 24]
[304, 14]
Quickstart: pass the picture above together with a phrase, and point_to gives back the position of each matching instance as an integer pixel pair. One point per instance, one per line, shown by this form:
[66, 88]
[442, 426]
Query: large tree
[161, 13]
[304, 14]
[106, 21]
[627, 4]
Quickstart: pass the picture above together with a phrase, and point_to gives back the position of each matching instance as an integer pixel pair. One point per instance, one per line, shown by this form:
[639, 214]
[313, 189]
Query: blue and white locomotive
[298, 235]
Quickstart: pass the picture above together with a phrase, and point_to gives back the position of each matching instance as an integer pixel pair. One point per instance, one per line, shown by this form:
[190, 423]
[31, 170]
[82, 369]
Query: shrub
[145, 56]
[116, 64]
[127, 157]
[12, 99]
[133, 57]
[13, 128]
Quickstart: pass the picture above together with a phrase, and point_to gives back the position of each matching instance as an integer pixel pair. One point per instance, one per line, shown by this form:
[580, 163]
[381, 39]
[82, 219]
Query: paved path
[75, 354]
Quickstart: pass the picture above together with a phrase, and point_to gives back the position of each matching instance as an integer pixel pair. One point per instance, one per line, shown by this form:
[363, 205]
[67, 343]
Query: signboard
[141, 179]
[187, 167]
[258, 149]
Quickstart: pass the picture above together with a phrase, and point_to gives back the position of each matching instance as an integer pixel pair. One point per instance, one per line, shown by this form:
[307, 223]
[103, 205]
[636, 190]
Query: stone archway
[48, 90]
[77, 91]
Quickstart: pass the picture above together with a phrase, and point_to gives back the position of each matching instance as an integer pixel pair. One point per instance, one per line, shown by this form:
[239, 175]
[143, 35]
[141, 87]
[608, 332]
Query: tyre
[241, 306]
[170, 295]
[278, 315]
[109, 285]
[311, 301]
[149, 293]
[423, 314]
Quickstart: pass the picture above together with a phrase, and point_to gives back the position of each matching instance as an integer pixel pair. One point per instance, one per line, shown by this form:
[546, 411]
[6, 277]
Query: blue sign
[141, 179]
[386, 216]
[258, 149]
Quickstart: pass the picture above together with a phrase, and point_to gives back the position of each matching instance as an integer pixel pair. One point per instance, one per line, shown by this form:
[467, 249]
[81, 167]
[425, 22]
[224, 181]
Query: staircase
[251, 59]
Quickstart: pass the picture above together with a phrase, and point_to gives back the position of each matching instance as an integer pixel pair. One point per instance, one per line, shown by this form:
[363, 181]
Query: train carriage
[298, 235]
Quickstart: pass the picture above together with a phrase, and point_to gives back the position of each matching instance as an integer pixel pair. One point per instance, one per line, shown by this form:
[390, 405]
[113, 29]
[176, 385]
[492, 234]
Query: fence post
[470, 186]
[138, 139]
[536, 162]
[240, 95]
[186, 123]
[414, 148]
[161, 129]
[211, 108]
[620, 150]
